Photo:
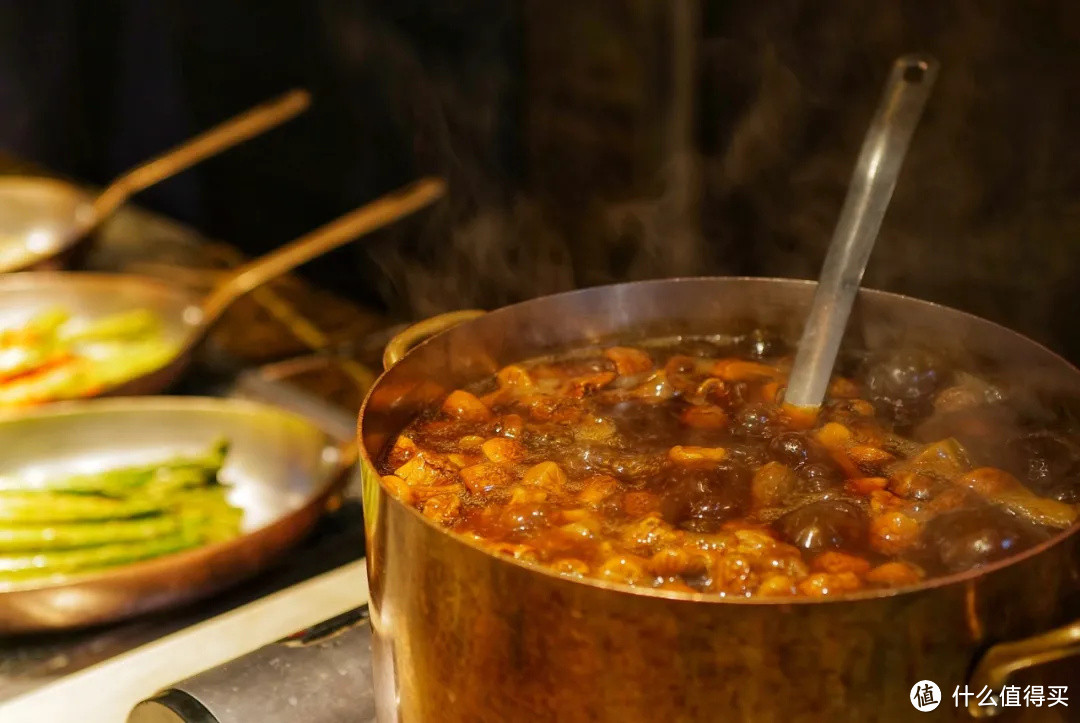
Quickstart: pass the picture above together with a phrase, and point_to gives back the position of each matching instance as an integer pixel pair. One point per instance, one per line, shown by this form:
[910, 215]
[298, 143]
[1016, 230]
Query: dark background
[585, 141]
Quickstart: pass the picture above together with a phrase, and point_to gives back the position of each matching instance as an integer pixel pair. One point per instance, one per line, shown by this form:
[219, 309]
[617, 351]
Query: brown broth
[674, 465]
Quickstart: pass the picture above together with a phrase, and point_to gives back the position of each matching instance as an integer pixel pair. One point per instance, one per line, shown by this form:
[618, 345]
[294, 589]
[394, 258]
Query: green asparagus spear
[166, 482]
[220, 519]
[87, 521]
[113, 483]
[200, 498]
[160, 477]
[36, 507]
[19, 567]
[58, 536]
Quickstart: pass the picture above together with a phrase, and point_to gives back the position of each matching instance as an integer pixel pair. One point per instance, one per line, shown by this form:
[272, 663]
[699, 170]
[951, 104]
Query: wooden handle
[363, 220]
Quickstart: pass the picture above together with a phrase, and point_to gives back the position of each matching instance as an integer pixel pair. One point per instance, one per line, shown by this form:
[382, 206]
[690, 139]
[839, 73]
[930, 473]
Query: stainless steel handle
[871, 188]
[319, 675]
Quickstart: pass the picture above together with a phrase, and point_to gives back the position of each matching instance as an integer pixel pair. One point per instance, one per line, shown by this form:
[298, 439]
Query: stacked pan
[113, 502]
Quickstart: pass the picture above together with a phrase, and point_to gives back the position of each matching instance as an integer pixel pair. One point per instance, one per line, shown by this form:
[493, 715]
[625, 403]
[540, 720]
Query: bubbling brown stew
[673, 465]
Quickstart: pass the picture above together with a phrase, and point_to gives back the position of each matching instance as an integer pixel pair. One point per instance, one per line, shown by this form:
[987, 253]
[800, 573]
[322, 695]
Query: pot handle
[405, 340]
[1004, 659]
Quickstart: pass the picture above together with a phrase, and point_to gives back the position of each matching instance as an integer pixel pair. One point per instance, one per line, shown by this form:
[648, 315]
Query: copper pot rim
[930, 584]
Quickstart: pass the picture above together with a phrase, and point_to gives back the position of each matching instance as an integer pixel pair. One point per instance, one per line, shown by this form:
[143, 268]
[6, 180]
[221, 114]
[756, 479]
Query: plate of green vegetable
[114, 507]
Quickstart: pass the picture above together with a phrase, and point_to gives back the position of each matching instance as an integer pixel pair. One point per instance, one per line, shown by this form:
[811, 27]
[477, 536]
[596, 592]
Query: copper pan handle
[405, 340]
[370, 217]
[232, 132]
[1002, 660]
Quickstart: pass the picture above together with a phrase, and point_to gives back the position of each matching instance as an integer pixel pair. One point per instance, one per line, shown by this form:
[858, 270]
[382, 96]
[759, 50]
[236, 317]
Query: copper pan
[185, 318]
[284, 470]
[45, 222]
[462, 635]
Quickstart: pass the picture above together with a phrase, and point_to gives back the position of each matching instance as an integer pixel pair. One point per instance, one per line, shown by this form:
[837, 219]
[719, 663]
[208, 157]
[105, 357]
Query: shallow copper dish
[285, 471]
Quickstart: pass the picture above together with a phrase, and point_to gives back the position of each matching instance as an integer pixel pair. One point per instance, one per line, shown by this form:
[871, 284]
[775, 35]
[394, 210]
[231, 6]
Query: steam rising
[663, 142]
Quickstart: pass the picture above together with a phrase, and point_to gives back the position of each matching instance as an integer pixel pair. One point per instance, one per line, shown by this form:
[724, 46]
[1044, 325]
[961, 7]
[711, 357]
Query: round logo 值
[925, 696]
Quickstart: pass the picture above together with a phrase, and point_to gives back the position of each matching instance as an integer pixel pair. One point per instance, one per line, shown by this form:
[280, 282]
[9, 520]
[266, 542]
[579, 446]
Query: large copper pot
[462, 635]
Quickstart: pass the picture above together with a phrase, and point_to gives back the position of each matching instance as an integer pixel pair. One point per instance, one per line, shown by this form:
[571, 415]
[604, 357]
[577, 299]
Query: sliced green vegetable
[47, 323]
[63, 381]
[19, 567]
[16, 360]
[27, 507]
[49, 357]
[159, 478]
[124, 325]
[113, 362]
[58, 536]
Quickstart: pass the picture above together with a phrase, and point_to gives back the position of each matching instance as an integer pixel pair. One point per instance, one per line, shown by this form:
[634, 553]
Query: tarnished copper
[463, 635]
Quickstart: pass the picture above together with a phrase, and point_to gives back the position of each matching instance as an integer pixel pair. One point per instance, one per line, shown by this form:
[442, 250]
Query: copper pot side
[462, 635]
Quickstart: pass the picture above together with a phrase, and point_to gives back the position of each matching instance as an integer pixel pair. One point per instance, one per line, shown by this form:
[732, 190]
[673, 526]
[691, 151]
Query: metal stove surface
[320, 675]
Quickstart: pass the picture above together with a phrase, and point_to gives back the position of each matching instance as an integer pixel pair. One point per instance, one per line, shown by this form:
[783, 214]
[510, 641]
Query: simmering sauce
[673, 465]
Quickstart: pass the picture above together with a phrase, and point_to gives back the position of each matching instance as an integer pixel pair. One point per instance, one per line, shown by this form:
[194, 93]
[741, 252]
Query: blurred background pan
[44, 221]
[184, 318]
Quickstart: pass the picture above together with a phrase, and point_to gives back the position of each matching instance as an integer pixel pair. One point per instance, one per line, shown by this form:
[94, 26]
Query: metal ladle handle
[370, 217]
[871, 188]
[221, 137]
